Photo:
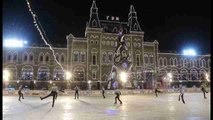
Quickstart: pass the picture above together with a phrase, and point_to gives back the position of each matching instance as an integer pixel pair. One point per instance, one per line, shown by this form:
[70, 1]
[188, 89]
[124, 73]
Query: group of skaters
[55, 90]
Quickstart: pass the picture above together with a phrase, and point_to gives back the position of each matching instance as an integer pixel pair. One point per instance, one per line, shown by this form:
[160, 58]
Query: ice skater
[204, 91]
[117, 93]
[103, 92]
[53, 93]
[181, 89]
[76, 92]
[20, 93]
[156, 92]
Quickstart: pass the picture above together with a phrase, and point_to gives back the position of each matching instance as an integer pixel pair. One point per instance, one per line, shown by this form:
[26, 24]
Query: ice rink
[135, 107]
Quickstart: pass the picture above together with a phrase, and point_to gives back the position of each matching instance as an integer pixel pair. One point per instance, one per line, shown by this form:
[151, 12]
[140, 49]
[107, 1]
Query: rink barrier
[96, 92]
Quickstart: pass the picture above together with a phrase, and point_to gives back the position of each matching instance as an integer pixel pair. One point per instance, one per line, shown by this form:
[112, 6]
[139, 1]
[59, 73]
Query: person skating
[53, 93]
[117, 93]
[181, 89]
[20, 93]
[156, 92]
[204, 91]
[76, 92]
[103, 92]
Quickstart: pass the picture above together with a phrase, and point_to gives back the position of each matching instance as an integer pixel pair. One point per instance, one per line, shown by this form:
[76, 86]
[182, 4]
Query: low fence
[95, 92]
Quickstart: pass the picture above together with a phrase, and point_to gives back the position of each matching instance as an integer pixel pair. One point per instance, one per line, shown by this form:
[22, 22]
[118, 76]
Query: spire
[93, 4]
[133, 21]
[94, 20]
[132, 9]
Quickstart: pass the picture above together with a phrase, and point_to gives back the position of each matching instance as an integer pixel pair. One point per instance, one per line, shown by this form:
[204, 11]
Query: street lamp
[207, 77]
[6, 75]
[68, 75]
[123, 77]
[89, 83]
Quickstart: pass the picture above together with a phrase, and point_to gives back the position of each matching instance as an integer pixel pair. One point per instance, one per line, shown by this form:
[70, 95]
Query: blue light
[189, 52]
[14, 43]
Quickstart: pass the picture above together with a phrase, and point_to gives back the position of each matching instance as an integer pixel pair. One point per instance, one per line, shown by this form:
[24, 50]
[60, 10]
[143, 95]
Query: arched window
[57, 57]
[146, 58]
[202, 74]
[203, 63]
[94, 23]
[110, 56]
[175, 62]
[15, 57]
[43, 73]
[175, 75]
[209, 63]
[171, 61]
[181, 62]
[62, 58]
[47, 57]
[160, 62]
[138, 59]
[58, 74]
[165, 61]
[135, 27]
[25, 57]
[104, 57]
[27, 73]
[76, 56]
[193, 74]
[79, 74]
[151, 57]
[41, 57]
[183, 75]
[31, 57]
[83, 56]
[9, 55]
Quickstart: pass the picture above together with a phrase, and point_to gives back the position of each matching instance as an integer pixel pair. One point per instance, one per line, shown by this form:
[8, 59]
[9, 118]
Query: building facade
[91, 57]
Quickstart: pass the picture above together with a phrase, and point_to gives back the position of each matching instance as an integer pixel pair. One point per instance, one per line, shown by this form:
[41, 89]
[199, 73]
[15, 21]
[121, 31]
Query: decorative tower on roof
[132, 20]
[94, 20]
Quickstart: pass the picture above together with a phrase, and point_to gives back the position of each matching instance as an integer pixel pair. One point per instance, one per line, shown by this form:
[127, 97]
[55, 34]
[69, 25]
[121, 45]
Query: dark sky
[176, 24]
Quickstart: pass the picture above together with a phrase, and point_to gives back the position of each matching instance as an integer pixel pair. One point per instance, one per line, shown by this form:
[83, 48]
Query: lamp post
[68, 77]
[89, 84]
[123, 78]
[6, 76]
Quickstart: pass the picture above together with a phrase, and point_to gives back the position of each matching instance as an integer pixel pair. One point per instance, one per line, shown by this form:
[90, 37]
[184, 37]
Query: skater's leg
[75, 94]
[19, 96]
[182, 99]
[204, 94]
[54, 95]
[119, 100]
[116, 99]
[46, 96]
[22, 95]
[179, 97]
[156, 94]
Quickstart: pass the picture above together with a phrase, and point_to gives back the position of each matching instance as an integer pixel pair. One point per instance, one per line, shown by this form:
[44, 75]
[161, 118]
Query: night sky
[176, 24]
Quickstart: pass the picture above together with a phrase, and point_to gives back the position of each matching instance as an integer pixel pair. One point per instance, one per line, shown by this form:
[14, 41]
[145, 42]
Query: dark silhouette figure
[103, 92]
[76, 92]
[181, 94]
[204, 91]
[117, 93]
[53, 93]
[20, 93]
[156, 92]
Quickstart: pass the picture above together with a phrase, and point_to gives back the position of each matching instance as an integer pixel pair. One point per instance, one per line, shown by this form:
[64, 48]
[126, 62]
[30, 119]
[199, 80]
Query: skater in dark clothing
[103, 92]
[204, 91]
[76, 92]
[117, 93]
[181, 94]
[20, 93]
[156, 92]
[53, 93]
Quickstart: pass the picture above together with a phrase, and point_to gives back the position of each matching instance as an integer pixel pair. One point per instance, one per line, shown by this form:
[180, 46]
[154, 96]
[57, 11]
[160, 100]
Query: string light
[40, 32]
